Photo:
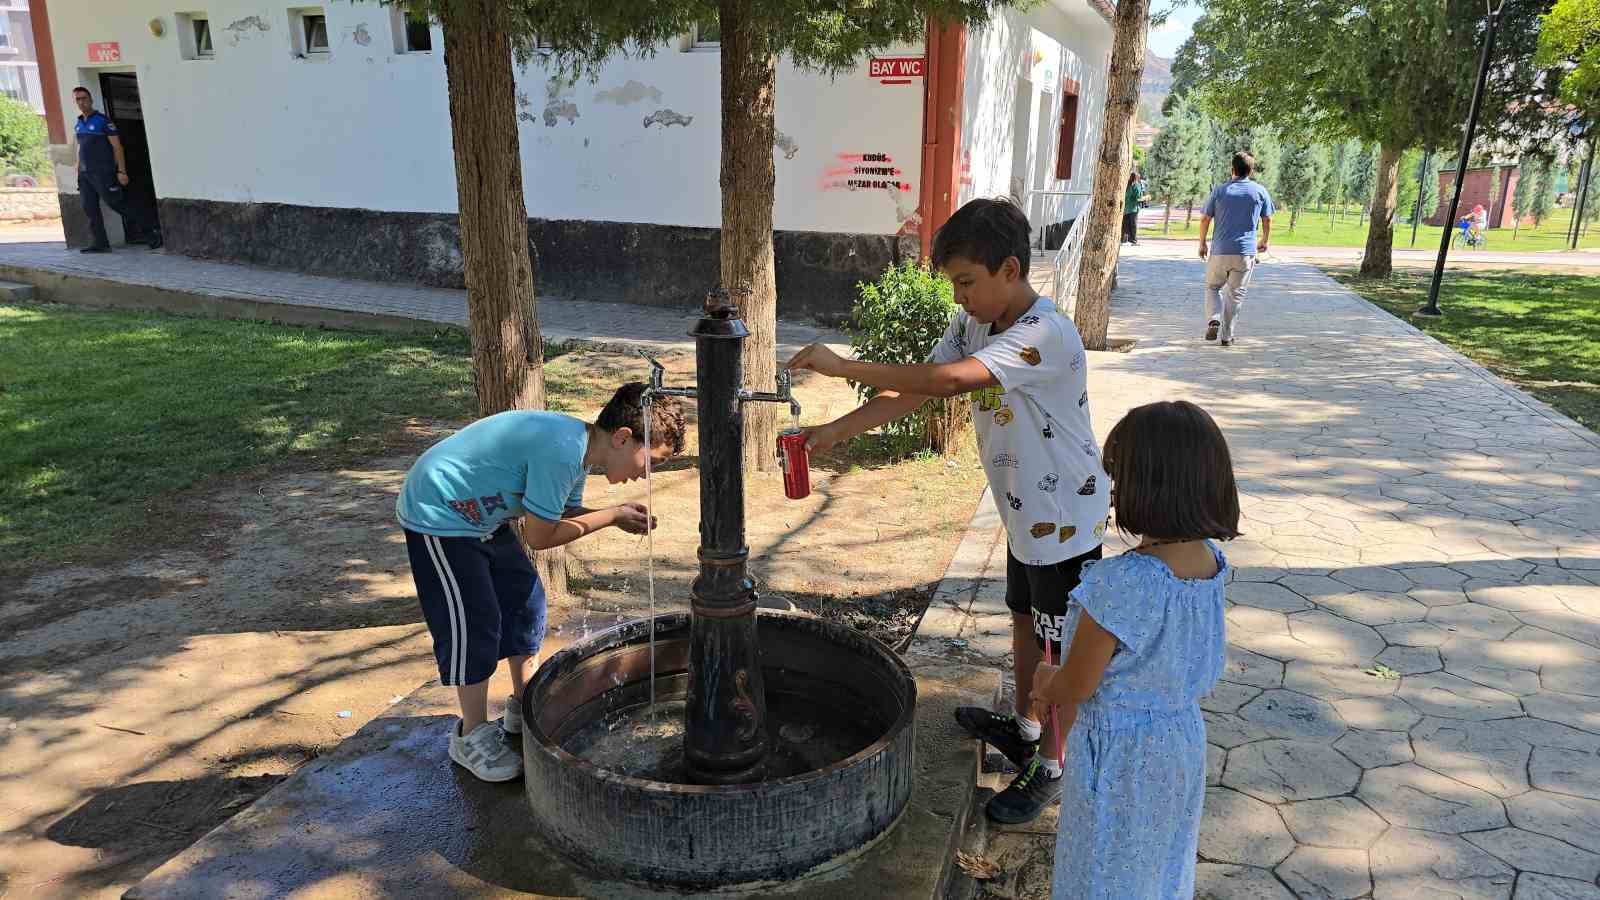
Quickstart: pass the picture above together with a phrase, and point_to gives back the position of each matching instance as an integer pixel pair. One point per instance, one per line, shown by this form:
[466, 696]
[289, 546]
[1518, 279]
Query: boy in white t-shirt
[1024, 366]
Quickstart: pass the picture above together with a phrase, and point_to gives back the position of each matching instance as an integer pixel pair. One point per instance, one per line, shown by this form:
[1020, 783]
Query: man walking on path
[102, 173]
[1236, 207]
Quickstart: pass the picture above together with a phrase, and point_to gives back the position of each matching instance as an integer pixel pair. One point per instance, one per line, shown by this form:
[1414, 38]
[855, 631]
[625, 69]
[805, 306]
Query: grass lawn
[1539, 331]
[103, 411]
[1314, 230]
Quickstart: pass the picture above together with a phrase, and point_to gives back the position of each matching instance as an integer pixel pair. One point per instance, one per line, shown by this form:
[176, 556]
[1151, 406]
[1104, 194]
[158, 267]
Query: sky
[1166, 40]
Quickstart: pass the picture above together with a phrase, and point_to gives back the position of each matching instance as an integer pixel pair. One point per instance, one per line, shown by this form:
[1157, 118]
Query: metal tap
[782, 395]
[657, 373]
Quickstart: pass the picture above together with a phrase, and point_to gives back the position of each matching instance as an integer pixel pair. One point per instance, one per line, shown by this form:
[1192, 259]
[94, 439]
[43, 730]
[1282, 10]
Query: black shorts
[482, 601]
[1041, 592]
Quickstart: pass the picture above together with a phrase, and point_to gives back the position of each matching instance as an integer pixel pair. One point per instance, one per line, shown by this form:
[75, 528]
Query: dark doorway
[121, 93]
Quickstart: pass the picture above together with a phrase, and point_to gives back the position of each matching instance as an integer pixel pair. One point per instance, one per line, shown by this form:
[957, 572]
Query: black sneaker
[1000, 732]
[1027, 796]
[155, 242]
[1212, 328]
[95, 249]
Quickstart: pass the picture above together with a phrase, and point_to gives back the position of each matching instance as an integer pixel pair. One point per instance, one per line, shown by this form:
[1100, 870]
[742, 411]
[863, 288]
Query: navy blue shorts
[481, 598]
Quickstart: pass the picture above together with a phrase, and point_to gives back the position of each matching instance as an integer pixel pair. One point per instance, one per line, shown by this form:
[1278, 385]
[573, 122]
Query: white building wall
[1013, 103]
[368, 127]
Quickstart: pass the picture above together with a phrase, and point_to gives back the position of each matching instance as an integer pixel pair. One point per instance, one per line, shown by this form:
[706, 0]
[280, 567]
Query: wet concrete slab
[386, 814]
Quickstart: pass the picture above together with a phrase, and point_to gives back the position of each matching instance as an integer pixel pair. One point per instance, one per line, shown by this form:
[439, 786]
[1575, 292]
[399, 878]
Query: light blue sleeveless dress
[1135, 777]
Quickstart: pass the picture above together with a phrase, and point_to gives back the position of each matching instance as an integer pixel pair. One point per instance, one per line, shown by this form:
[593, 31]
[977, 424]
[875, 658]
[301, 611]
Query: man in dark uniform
[102, 173]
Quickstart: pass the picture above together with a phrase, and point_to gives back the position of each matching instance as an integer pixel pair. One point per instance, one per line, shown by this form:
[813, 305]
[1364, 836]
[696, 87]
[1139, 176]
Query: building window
[5, 34]
[707, 35]
[1069, 129]
[194, 36]
[413, 33]
[11, 83]
[202, 38]
[309, 31]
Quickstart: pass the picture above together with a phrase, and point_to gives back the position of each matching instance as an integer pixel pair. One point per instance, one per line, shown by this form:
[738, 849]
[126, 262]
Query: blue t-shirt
[496, 469]
[94, 144]
[1237, 208]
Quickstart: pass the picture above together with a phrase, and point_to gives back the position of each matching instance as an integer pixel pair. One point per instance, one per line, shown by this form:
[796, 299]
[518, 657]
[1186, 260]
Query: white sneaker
[511, 723]
[483, 753]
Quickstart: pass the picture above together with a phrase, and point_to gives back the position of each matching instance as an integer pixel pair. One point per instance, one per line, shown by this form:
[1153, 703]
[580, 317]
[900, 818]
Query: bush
[22, 138]
[897, 320]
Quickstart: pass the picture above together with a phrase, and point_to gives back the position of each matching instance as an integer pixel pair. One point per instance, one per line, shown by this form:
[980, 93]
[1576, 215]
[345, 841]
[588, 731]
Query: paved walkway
[1423, 257]
[652, 327]
[1411, 706]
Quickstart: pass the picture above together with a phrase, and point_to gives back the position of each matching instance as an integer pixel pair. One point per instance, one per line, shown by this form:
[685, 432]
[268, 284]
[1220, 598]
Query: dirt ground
[146, 698]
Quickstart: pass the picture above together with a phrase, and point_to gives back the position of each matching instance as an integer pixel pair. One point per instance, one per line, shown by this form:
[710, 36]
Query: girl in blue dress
[1145, 638]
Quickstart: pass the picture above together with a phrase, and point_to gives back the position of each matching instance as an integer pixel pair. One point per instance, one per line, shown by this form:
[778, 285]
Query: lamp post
[1432, 306]
[1422, 176]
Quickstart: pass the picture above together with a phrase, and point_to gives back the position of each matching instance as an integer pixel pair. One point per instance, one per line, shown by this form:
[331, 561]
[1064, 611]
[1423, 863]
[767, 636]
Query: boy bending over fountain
[460, 507]
[1023, 364]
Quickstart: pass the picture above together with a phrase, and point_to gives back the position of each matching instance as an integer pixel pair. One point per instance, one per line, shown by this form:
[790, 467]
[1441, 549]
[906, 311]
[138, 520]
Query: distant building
[1475, 191]
[19, 62]
[314, 135]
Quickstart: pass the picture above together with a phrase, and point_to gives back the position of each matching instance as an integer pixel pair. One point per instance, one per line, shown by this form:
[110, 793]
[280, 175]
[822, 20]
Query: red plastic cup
[796, 464]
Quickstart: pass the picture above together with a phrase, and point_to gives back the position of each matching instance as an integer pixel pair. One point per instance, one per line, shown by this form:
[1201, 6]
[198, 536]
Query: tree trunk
[1101, 244]
[1378, 260]
[1294, 216]
[749, 98]
[507, 351]
[1188, 215]
[1166, 218]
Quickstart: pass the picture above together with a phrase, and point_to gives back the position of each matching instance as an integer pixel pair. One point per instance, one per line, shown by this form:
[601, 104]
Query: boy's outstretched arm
[880, 410]
[543, 534]
[925, 379]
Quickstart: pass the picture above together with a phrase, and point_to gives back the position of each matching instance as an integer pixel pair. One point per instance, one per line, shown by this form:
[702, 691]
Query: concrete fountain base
[387, 815]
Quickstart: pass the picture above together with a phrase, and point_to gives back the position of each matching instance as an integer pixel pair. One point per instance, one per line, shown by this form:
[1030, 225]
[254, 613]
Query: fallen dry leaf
[979, 867]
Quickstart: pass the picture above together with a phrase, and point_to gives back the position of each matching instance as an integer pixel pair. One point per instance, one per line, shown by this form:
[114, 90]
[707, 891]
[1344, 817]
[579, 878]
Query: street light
[1494, 7]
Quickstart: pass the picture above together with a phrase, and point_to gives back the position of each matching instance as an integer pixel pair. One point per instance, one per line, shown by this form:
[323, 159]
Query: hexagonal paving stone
[1215, 881]
[1329, 633]
[1529, 852]
[1227, 697]
[1286, 714]
[1279, 771]
[1323, 874]
[1516, 597]
[1215, 758]
[1571, 678]
[1411, 660]
[1244, 667]
[1267, 596]
[1229, 730]
[1374, 578]
[1409, 796]
[1313, 586]
[1504, 664]
[1505, 570]
[1370, 749]
[1434, 577]
[1490, 759]
[1544, 733]
[1575, 710]
[1533, 886]
[1411, 865]
[1414, 634]
[1374, 608]
[1575, 820]
[1242, 830]
[1437, 596]
[1566, 771]
[1339, 822]
[1336, 681]
[1565, 622]
[1377, 713]
[1474, 620]
[1451, 697]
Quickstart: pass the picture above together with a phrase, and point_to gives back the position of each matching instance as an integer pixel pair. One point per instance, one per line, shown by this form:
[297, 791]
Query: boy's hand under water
[634, 518]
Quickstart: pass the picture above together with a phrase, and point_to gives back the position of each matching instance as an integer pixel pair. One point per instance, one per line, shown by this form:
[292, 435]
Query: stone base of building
[614, 262]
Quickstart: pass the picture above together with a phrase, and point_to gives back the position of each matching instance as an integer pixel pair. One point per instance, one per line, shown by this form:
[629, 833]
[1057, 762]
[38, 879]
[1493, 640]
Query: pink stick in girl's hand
[1060, 748]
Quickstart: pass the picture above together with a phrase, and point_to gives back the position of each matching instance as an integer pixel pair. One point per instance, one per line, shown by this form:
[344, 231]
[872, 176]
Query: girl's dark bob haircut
[1172, 474]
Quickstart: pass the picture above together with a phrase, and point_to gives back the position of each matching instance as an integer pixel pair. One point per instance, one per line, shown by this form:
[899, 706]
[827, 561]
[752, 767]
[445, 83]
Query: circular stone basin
[604, 773]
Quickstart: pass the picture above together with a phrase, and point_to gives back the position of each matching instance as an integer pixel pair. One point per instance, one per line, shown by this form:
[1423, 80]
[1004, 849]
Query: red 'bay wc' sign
[105, 52]
[896, 69]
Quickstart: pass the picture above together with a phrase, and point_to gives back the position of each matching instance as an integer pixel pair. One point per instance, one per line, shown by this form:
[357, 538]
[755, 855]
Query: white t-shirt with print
[1034, 432]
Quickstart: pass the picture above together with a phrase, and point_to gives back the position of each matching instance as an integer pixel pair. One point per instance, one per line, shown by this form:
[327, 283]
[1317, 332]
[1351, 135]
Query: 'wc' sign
[896, 69]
